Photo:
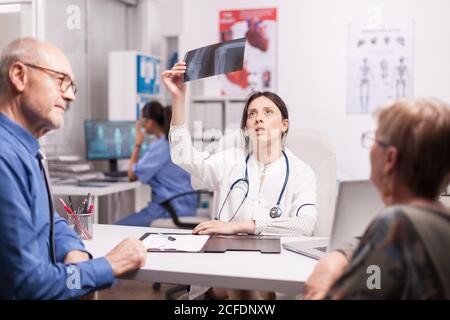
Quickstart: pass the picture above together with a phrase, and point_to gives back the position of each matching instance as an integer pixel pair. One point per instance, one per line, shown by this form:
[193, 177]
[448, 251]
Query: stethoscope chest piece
[275, 212]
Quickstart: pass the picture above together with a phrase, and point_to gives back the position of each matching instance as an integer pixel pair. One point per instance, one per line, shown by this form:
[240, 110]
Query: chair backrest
[316, 149]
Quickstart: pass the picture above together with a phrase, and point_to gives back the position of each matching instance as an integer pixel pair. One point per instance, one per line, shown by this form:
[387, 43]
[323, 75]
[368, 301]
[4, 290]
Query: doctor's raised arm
[182, 152]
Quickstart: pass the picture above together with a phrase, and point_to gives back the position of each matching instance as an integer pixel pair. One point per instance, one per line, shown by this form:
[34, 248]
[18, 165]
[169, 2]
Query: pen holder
[82, 223]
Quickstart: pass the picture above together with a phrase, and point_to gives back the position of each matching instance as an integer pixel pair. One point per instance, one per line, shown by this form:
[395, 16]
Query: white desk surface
[285, 272]
[111, 187]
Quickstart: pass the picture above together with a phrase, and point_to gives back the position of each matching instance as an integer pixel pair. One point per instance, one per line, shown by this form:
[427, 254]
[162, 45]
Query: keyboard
[109, 179]
[322, 249]
[116, 174]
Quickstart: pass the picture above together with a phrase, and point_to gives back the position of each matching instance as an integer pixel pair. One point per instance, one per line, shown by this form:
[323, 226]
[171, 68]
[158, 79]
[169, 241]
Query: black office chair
[175, 219]
[173, 214]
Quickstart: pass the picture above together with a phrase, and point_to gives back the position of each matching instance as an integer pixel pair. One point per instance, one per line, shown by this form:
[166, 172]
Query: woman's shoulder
[158, 148]
[398, 218]
[390, 227]
[399, 212]
[392, 215]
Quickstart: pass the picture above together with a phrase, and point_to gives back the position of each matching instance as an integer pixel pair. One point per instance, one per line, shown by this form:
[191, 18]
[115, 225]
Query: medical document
[182, 243]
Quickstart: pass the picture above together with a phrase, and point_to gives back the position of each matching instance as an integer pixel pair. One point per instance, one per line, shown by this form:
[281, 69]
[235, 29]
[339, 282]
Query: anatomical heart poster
[259, 27]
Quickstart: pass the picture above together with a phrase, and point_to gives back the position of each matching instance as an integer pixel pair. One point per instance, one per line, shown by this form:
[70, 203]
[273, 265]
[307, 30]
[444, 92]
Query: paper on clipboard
[182, 243]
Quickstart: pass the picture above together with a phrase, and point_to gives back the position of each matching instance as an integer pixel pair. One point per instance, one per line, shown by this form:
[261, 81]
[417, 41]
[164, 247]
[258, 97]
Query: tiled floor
[133, 290]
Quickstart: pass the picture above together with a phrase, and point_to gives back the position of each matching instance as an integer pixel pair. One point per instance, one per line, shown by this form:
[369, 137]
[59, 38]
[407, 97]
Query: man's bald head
[27, 50]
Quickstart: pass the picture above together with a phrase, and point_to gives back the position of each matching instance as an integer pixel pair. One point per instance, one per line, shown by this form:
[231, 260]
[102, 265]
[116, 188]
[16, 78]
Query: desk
[285, 272]
[141, 193]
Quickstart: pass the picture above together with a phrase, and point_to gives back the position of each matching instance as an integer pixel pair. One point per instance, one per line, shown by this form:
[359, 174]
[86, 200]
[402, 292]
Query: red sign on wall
[259, 28]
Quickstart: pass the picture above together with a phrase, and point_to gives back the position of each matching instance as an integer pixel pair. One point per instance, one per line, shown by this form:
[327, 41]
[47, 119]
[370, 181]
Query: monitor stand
[113, 170]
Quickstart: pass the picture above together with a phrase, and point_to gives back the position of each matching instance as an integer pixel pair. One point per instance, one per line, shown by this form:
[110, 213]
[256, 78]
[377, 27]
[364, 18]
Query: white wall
[157, 19]
[312, 61]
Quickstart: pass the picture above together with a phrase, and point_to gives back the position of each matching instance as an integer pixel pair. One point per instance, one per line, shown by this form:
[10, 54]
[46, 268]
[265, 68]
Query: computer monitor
[111, 140]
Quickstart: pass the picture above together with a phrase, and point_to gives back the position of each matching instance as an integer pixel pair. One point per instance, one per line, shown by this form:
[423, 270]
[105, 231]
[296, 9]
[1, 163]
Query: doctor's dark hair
[272, 97]
[161, 115]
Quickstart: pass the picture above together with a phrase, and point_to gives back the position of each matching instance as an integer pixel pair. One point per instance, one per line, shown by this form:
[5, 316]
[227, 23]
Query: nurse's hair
[272, 97]
[161, 115]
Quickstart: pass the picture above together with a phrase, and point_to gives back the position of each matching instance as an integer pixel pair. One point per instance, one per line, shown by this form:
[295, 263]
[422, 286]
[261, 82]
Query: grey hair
[24, 49]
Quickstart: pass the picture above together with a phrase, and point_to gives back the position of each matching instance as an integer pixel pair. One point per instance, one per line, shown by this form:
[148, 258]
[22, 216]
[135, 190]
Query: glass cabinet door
[16, 21]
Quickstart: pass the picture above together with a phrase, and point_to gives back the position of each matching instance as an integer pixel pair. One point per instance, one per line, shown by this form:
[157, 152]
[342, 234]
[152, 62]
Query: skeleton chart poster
[259, 27]
[380, 66]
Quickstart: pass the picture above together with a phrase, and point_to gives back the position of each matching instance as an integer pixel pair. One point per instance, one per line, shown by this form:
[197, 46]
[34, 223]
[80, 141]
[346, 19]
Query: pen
[87, 202]
[170, 238]
[70, 203]
[66, 207]
[81, 207]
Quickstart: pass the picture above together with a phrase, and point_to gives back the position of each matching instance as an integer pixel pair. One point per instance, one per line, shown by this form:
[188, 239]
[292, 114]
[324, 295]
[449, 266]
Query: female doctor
[262, 188]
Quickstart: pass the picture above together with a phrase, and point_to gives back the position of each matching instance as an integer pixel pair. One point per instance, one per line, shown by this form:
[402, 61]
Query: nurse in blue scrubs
[156, 168]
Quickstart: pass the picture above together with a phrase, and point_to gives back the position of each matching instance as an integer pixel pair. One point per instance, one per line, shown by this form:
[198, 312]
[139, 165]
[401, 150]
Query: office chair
[316, 149]
[183, 222]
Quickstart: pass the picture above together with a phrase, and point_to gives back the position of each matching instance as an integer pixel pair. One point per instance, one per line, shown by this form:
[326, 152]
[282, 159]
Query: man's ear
[18, 77]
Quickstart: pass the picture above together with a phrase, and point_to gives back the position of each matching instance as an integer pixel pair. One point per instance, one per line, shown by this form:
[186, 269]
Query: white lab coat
[217, 173]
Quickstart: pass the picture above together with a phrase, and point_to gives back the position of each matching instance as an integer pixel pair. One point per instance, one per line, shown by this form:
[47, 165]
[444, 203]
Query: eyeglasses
[66, 81]
[368, 139]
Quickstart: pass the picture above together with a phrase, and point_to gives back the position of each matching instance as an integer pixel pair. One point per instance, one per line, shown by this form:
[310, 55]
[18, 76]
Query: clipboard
[263, 244]
[223, 243]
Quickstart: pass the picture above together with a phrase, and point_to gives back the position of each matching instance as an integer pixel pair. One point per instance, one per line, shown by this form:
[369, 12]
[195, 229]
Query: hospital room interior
[239, 149]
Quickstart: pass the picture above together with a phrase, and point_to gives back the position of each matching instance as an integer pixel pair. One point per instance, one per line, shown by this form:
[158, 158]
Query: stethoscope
[276, 211]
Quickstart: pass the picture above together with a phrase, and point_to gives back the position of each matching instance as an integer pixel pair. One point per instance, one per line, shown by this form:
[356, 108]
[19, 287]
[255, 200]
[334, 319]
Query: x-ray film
[215, 59]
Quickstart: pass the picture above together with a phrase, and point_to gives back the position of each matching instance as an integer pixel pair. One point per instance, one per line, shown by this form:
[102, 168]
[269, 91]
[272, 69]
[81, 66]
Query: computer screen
[110, 140]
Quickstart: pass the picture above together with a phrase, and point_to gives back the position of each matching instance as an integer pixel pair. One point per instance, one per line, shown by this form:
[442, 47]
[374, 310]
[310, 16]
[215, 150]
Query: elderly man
[40, 256]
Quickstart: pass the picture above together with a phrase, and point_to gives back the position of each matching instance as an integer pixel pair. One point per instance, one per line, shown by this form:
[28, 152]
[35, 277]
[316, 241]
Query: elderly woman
[404, 252]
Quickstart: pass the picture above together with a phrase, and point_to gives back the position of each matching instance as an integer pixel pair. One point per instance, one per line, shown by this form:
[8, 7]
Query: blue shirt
[26, 268]
[165, 178]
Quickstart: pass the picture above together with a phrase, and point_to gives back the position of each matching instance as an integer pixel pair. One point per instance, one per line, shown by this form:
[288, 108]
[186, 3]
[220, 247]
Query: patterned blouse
[390, 262]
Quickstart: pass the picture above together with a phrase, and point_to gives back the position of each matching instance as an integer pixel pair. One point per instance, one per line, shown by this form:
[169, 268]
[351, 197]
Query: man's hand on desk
[76, 256]
[127, 256]
[225, 227]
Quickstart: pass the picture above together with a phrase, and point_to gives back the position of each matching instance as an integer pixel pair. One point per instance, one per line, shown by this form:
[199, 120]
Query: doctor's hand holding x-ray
[279, 189]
